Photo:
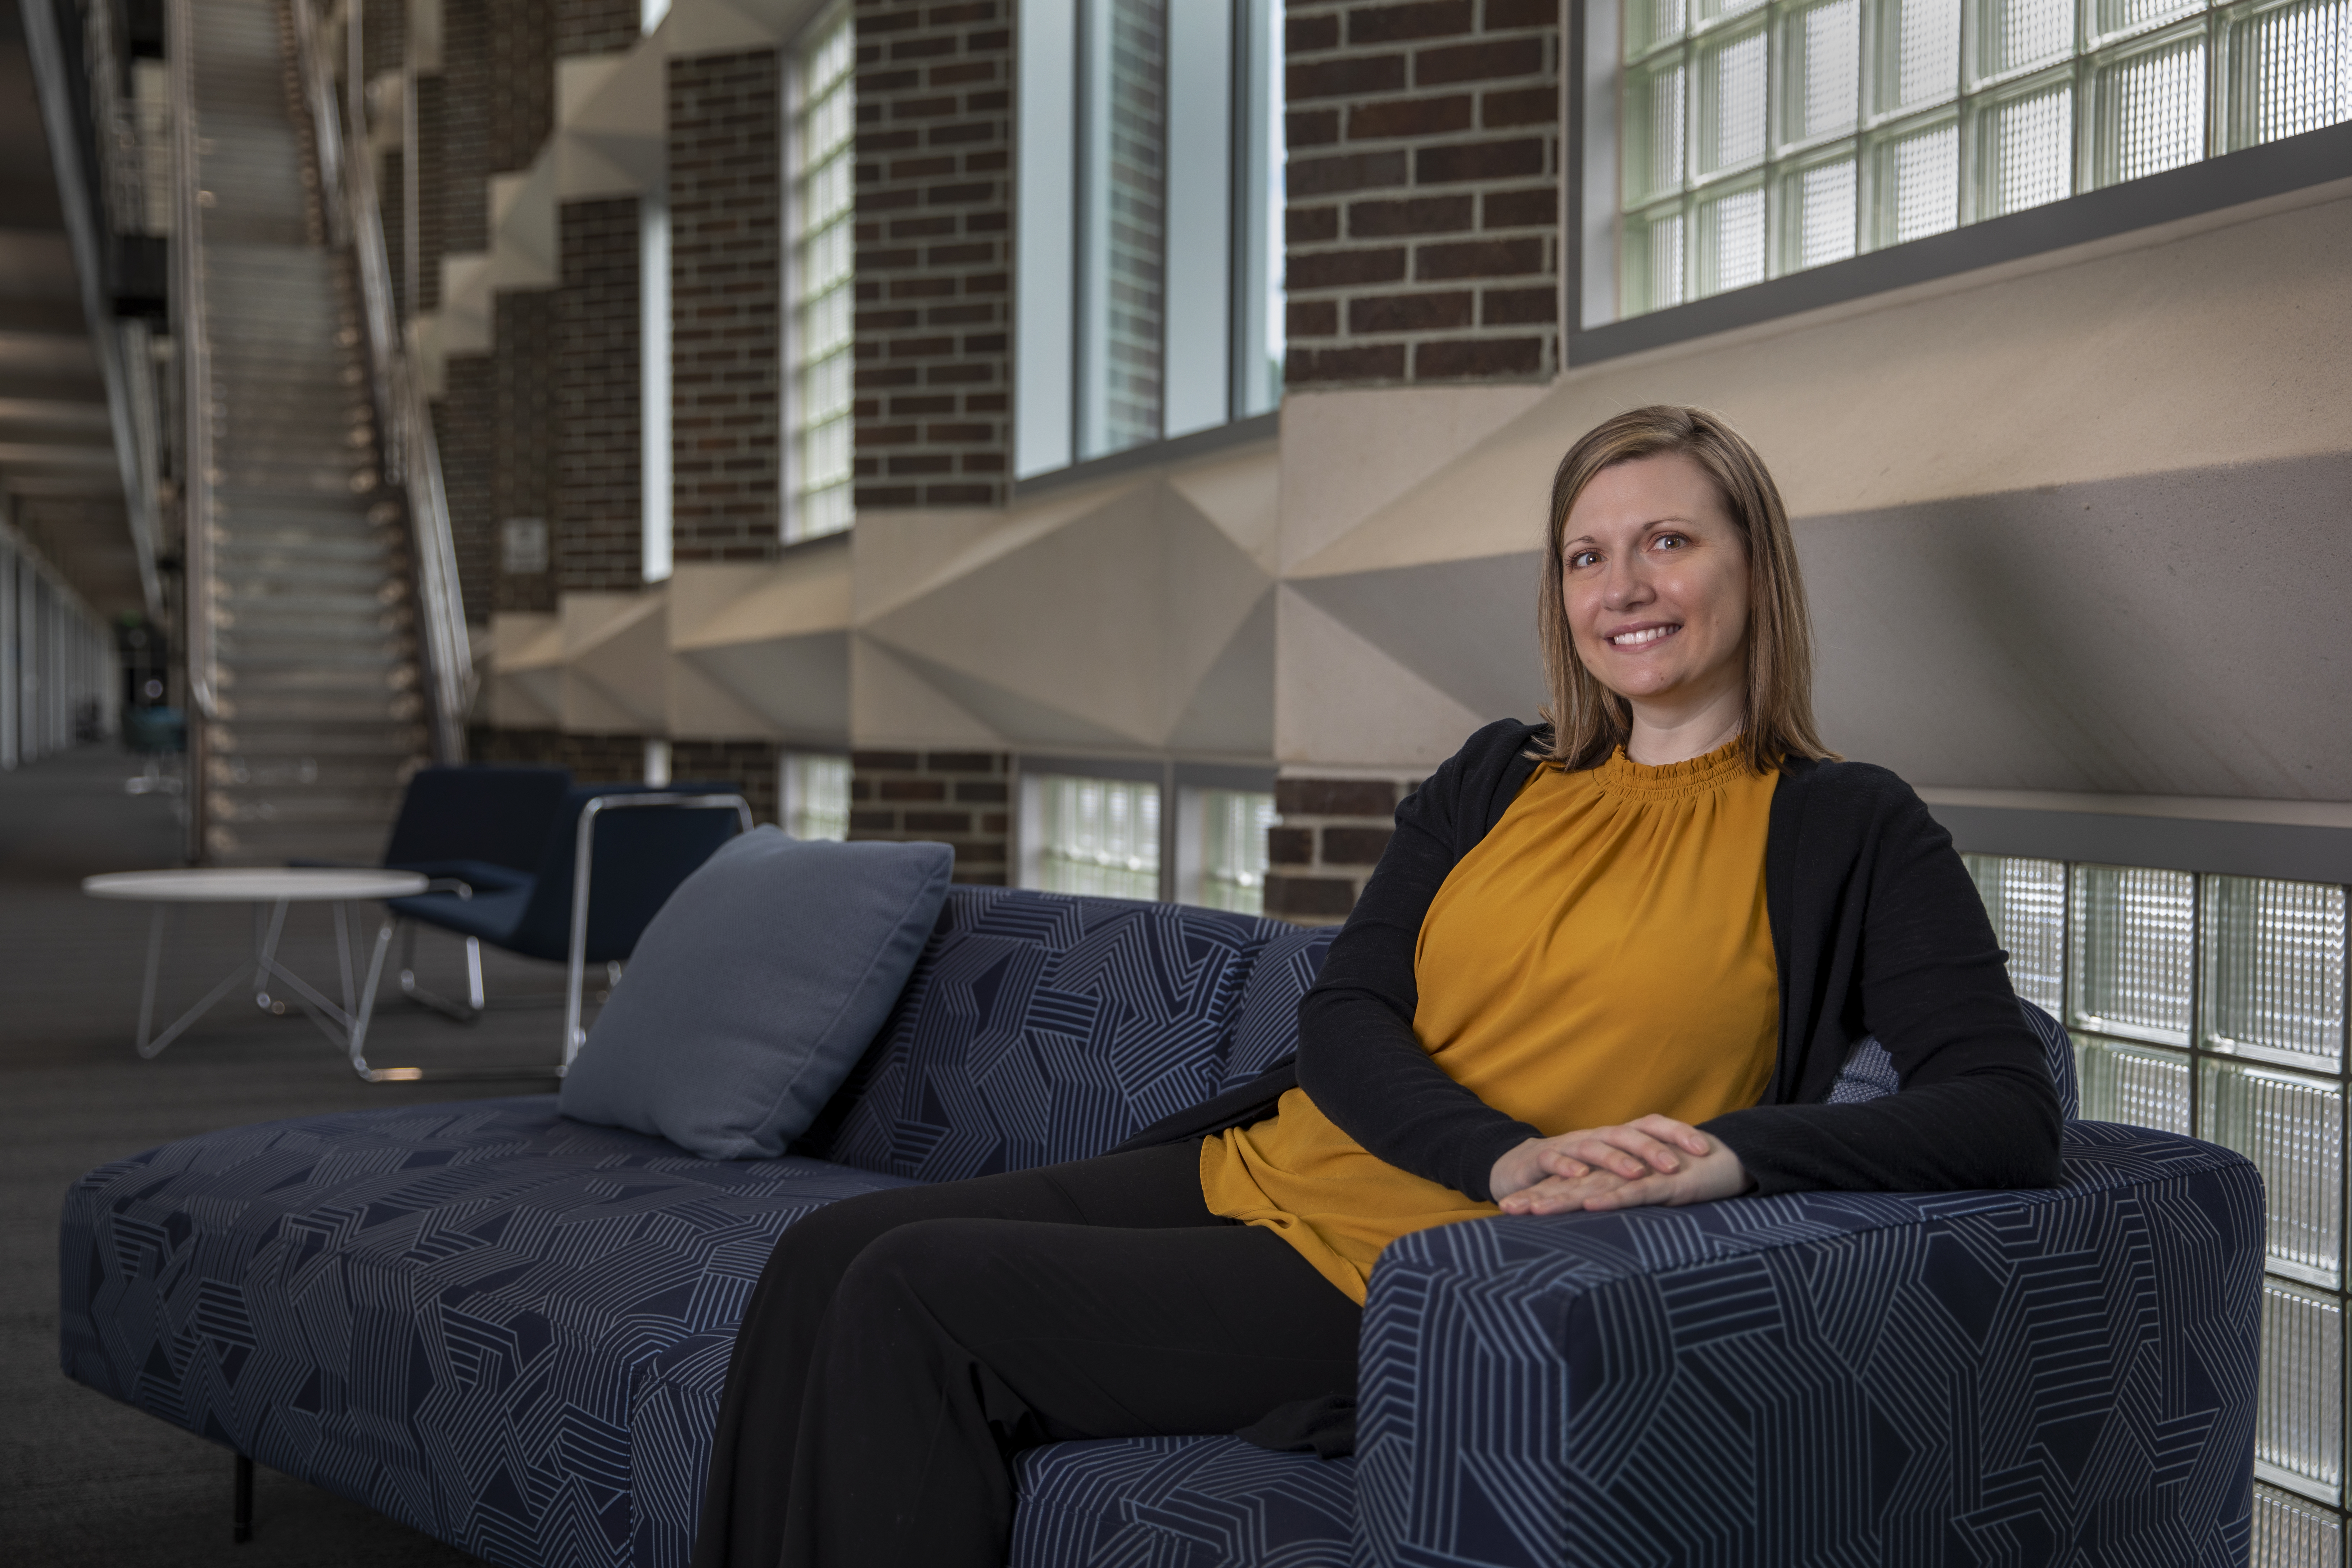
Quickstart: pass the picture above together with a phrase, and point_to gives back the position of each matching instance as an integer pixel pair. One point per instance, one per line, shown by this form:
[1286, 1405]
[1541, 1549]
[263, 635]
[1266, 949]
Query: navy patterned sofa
[510, 1330]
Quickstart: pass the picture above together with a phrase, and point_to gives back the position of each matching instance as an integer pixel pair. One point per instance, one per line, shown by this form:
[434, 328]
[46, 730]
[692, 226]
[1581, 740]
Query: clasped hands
[1650, 1160]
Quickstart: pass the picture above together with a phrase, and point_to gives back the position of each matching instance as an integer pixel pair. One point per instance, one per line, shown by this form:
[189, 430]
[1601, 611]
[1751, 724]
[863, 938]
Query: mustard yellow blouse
[1602, 954]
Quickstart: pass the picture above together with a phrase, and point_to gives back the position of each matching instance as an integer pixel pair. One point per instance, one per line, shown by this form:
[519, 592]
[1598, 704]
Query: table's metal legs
[477, 1000]
[345, 1026]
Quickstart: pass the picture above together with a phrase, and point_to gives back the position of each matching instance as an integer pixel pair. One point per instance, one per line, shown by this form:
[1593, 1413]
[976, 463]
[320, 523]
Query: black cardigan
[1876, 930]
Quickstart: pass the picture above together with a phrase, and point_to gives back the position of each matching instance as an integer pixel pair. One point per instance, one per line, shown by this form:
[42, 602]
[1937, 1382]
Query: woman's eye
[1670, 541]
[1582, 558]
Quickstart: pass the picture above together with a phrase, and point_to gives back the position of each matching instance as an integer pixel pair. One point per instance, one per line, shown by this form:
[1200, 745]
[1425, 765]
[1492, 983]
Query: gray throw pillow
[756, 989]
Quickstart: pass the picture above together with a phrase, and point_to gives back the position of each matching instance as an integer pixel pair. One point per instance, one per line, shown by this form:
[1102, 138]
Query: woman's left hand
[1716, 1174]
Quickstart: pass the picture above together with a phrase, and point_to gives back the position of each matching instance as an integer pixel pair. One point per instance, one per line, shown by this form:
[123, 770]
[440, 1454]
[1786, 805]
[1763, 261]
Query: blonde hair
[1588, 720]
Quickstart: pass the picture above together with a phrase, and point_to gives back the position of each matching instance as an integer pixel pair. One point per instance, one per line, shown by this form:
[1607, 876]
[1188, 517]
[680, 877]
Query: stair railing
[193, 343]
[412, 459]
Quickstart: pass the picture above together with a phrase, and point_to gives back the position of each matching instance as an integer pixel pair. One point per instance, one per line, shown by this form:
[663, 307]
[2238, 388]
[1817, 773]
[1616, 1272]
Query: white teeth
[1637, 639]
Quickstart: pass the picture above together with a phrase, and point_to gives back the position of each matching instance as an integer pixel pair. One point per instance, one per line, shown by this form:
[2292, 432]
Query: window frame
[1181, 784]
[2210, 184]
[1051, 347]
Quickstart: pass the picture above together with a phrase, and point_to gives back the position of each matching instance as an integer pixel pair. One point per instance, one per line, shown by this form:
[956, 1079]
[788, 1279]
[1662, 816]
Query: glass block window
[2274, 971]
[2147, 1086]
[2298, 1426]
[2027, 901]
[2292, 1127]
[814, 792]
[2290, 1533]
[2128, 948]
[1825, 128]
[1233, 826]
[2216, 1003]
[824, 128]
[1099, 836]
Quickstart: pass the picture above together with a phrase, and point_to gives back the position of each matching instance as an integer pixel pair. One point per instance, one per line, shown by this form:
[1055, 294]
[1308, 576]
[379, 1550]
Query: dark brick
[963, 762]
[1335, 797]
[1341, 269]
[1304, 34]
[981, 794]
[1479, 259]
[1517, 159]
[1348, 172]
[1396, 117]
[938, 821]
[1311, 317]
[1495, 61]
[1311, 226]
[885, 761]
[872, 822]
[1537, 208]
[1342, 77]
[1310, 127]
[1423, 19]
[1355, 846]
[1409, 313]
[912, 789]
[1418, 215]
[1290, 846]
[1521, 106]
[1379, 362]
[1518, 307]
[1483, 357]
[1501, 13]
[1308, 897]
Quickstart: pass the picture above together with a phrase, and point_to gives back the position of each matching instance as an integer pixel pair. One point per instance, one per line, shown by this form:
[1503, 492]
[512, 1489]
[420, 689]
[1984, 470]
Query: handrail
[195, 345]
[412, 459]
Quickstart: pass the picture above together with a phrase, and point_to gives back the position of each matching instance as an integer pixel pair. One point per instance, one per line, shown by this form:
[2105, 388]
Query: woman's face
[1654, 577]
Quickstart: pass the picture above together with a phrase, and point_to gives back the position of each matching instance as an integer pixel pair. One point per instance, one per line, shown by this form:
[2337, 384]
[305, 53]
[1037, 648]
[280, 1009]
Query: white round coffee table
[275, 887]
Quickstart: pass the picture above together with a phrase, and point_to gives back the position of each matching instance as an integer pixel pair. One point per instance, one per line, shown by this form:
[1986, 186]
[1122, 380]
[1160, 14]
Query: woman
[1614, 960]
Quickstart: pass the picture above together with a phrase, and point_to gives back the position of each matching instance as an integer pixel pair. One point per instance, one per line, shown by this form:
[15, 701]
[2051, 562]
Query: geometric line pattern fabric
[1266, 1034]
[2062, 1376]
[1181, 1502]
[502, 1328]
[1039, 1027]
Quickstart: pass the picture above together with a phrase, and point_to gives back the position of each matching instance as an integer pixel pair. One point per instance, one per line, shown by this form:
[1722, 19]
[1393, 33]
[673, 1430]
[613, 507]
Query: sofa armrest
[1829, 1376]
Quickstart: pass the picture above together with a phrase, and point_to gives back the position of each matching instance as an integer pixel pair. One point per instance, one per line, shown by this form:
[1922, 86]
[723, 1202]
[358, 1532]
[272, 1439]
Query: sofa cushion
[1266, 1031]
[1040, 1028]
[756, 989]
[499, 1326]
[1181, 1502]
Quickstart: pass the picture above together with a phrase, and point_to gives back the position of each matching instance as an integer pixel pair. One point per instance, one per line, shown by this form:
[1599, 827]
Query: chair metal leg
[240, 1516]
[265, 953]
[440, 1004]
[154, 964]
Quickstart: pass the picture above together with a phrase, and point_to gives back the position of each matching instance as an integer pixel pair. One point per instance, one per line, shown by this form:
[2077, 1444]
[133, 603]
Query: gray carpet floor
[82, 1479]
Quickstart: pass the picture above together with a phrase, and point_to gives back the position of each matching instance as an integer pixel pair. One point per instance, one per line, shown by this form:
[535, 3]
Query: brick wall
[597, 26]
[595, 518]
[592, 758]
[934, 218]
[1425, 184]
[1330, 835]
[432, 203]
[726, 155]
[523, 435]
[961, 799]
[465, 427]
[522, 82]
[468, 85]
[747, 767]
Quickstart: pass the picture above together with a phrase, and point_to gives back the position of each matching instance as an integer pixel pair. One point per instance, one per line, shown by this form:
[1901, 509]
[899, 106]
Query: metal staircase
[303, 637]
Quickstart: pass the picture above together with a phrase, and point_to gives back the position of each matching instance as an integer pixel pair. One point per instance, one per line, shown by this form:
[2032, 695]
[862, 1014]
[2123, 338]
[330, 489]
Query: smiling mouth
[1642, 636]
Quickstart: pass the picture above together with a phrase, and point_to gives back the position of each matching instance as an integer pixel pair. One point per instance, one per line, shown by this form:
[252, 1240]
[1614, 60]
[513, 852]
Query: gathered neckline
[1621, 775]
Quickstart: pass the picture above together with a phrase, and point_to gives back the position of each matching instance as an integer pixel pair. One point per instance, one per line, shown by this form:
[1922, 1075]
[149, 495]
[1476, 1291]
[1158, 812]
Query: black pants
[903, 1345]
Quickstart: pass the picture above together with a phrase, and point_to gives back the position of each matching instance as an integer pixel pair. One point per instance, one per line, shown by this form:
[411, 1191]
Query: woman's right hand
[1638, 1148]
